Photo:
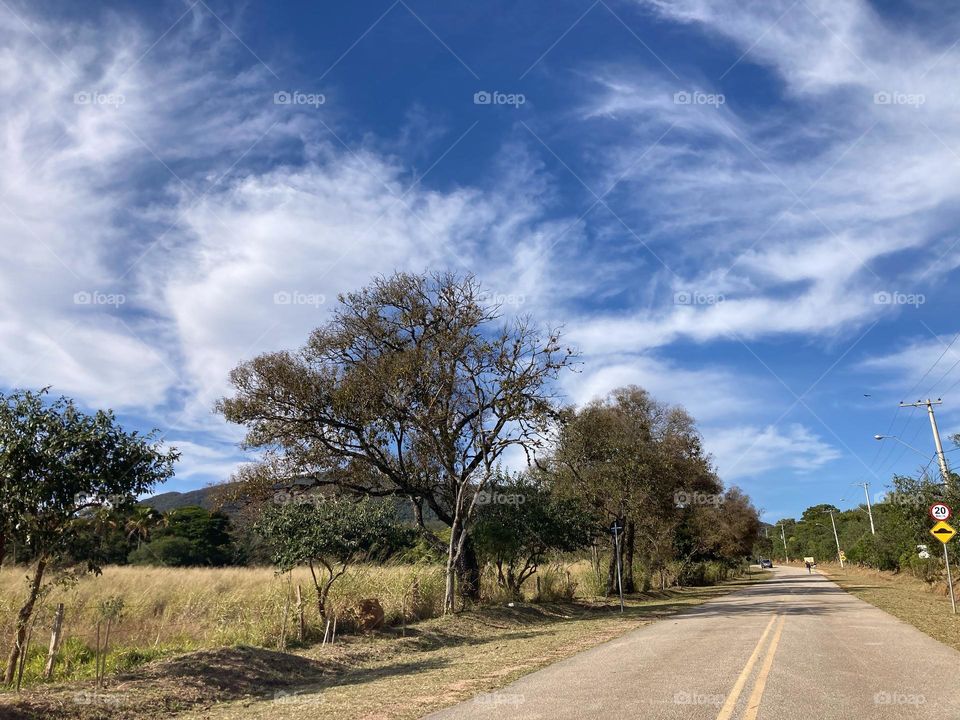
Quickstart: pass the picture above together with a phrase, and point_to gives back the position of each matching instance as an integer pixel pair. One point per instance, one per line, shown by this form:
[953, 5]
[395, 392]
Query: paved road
[794, 647]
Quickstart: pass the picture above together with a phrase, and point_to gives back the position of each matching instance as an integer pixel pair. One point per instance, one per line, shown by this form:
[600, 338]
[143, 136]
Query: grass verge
[390, 676]
[907, 598]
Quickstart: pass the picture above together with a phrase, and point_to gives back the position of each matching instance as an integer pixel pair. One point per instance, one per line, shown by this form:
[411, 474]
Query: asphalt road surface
[796, 646]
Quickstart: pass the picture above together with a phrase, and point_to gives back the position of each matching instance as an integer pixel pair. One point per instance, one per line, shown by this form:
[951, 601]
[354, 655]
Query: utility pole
[866, 491]
[936, 433]
[836, 537]
[783, 536]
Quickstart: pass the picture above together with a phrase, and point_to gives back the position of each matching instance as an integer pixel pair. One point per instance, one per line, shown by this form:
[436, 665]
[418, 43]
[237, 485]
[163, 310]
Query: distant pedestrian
[809, 567]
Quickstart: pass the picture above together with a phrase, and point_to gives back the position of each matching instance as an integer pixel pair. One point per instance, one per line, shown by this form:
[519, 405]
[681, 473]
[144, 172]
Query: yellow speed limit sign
[943, 531]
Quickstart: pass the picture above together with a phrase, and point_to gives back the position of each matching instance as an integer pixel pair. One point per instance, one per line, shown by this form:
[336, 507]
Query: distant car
[764, 563]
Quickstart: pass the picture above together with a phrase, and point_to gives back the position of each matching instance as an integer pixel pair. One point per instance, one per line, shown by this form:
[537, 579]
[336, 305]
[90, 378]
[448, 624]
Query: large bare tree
[415, 388]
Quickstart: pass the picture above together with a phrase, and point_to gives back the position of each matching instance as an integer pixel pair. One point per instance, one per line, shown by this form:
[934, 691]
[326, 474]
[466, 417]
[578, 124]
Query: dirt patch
[170, 686]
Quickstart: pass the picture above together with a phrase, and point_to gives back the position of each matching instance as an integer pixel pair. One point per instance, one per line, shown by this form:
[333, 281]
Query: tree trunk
[321, 597]
[468, 572]
[453, 549]
[463, 569]
[595, 560]
[629, 545]
[23, 621]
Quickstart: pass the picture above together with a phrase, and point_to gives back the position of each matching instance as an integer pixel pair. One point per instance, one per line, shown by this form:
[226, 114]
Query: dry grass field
[171, 610]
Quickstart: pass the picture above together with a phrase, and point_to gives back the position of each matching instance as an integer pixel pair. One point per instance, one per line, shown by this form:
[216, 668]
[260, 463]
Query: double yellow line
[753, 704]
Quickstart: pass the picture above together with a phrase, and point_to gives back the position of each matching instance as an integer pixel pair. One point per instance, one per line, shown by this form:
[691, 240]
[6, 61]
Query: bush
[167, 552]
[927, 569]
[521, 523]
[708, 572]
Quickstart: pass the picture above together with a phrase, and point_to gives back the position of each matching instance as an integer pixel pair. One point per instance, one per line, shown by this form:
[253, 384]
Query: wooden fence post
[54, 642]
[301, 627]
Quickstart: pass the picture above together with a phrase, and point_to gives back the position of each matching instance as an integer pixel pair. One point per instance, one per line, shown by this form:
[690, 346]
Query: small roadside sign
[940, 512]
[617, 528]
[843, 556]
[943, 532]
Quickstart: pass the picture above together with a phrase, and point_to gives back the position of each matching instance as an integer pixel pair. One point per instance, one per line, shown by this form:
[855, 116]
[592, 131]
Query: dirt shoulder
[905, 597]
[387, 676]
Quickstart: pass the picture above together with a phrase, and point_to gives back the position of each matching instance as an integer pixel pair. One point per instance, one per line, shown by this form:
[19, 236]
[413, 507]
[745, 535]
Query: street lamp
[919, 452]
[894, 437]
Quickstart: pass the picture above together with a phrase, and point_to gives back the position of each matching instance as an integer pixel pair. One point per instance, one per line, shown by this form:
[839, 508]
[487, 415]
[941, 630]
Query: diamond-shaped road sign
[943, 532]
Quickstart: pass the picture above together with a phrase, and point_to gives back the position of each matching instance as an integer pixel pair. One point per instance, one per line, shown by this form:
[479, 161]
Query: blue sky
[748, 208]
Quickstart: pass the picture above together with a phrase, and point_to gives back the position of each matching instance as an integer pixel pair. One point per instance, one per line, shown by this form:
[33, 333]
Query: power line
[886, 465]
[935, 363]
[881, 446]
[929, 392]
[897, 452]
[893, 458]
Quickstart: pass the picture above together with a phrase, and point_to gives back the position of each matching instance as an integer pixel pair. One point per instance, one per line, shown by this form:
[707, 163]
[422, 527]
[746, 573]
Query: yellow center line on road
[726, 712]
[753, 704]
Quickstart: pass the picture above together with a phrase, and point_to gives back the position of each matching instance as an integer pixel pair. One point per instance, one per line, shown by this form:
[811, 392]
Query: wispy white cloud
[171, 220]
[792, 214]
[222, 225]
[745, 451]
[710, 394]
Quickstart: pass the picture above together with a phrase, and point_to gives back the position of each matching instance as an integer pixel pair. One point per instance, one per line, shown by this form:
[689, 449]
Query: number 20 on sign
[940, 512]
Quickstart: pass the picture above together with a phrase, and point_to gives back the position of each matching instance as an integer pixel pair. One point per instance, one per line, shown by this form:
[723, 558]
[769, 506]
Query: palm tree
[141, 522]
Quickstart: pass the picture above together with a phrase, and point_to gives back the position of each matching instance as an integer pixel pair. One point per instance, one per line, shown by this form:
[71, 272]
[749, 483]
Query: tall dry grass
[168, 610]
[219, 606]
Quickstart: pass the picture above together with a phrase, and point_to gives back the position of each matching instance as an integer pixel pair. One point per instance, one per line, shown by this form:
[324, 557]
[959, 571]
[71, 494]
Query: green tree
[98, 537]
[521, 521]
[725, 530]
[632, 458]
[56, 462]
[208, 535]
[415, 388]
[327, 534]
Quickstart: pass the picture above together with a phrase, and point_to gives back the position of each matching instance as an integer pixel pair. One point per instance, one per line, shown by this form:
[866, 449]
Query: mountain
[164, 502]
[204, 497]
